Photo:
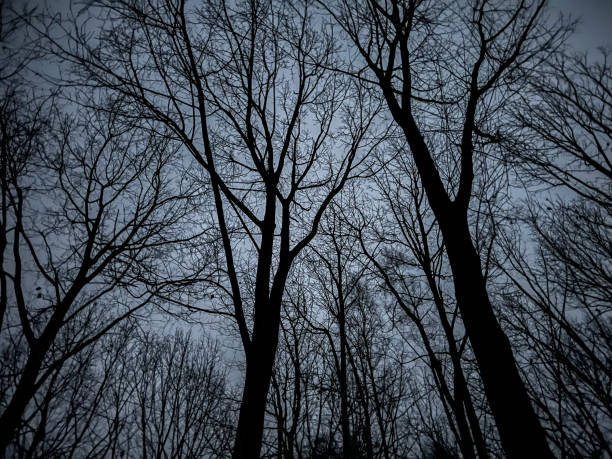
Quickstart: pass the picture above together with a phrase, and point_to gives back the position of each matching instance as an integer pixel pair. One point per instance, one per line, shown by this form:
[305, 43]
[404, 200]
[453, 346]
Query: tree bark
[519, 428]
[261, 351]
[259, 364]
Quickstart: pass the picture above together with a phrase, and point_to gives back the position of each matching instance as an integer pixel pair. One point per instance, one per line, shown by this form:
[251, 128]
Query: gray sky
[595, 28]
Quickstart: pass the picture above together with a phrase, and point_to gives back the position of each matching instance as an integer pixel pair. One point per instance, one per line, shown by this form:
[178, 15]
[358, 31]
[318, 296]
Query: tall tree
[561, 281]
[445, 71]
[71, 244]
[243, 86]
[404, 246]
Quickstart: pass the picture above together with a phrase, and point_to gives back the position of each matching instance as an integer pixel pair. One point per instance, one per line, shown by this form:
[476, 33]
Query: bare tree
[78, 411]
[86, 205]
[202, 159]
[179, 406]
[338, 287]
[560, 272]
[171, 401]
[568, 128]
[446, 71]
[356, 374]
[404, 245]
[242, 86]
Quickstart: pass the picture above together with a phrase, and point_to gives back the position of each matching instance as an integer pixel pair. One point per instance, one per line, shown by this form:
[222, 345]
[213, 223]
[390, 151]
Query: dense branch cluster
[318, 229]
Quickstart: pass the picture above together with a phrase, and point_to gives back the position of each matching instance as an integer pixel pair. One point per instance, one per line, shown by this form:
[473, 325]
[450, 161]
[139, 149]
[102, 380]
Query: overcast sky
[595, 28]
[593, 31]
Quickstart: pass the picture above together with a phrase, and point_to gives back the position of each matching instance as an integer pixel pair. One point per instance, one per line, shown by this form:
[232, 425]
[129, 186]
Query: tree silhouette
[269, 228]
[243, 87]
[406, 49]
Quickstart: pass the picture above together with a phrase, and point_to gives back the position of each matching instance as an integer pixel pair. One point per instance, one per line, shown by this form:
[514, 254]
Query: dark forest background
[310, 229]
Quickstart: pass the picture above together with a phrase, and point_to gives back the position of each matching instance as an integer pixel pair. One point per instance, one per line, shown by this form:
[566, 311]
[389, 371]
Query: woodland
[303, 229]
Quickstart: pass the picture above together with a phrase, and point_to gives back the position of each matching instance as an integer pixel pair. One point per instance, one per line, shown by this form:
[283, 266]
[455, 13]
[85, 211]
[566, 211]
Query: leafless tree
[86, 207]
[404, 245]
[78, 411]
[243, 87]
[354, 384]
[568, 129]
[560, 270]
[446, 70]
[332, 183]
[179, 406]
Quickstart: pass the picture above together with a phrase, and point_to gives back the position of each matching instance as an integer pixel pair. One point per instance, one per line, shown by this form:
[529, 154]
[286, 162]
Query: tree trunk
[11, 418]
[259, 363]
[347, 449]
[519, 427]
[261, 352]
